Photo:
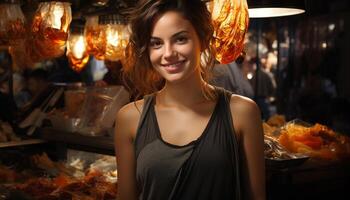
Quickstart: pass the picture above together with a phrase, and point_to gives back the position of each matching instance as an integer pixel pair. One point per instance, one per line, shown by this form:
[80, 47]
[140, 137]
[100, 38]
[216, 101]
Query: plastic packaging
[99, 109]
[230, 19]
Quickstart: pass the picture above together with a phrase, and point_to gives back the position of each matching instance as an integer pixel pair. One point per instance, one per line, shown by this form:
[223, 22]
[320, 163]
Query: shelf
[21, 143]
[97, 144]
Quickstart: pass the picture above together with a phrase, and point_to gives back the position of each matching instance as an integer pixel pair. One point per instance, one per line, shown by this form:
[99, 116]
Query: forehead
[171, 22]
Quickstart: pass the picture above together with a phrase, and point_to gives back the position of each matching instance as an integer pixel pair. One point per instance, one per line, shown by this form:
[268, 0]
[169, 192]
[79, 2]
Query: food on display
[296, 137]
[276, 120]
[93, 186]
[276, 156]
[317, 141]
[269, 130]
[60, 180]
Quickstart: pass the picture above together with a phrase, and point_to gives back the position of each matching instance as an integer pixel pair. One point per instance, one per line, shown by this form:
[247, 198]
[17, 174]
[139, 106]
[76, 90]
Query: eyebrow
[175, 35]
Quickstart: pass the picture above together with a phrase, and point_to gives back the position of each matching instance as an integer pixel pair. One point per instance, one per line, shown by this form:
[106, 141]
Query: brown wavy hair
[138, 72]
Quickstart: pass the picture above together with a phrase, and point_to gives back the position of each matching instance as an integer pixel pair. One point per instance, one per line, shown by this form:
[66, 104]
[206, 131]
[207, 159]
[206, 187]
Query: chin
[178, 78]
[174, 78]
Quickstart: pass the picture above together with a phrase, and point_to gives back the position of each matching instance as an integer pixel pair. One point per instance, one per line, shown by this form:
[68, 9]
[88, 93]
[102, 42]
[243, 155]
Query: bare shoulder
[243, 105]
[128, 117]
[245, 113]
[131, 109]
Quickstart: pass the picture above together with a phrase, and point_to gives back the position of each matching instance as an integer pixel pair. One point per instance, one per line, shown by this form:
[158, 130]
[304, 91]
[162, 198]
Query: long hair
[138, 71]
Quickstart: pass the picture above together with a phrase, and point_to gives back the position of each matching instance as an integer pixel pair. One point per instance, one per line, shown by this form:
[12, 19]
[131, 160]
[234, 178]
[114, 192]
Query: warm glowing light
[95, 36]
[11, 24]
[249, 76]
[117, 39]
[331, 27]
[57, 15]
[230, 20]
[113, 37]
[324, 45]
[76, 51]
[49, 31]
[79, 47]
[273, 12]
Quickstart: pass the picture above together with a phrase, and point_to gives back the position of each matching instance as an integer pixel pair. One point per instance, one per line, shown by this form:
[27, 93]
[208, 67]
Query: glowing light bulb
[113, 37]
[57, 15]
[249, 75]
[79, 47]
[76, 52]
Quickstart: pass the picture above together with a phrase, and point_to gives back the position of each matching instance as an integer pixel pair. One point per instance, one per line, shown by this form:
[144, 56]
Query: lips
[174, 67]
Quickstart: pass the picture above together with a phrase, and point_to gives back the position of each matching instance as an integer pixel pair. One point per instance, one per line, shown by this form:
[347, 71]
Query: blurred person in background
[230, 76]
[263, 83]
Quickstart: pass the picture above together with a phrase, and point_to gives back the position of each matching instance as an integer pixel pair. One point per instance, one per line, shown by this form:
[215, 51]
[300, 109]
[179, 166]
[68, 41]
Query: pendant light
[274, 8]
[49, 29]
[230, 20]
[11, 22]
[117, 36]
[76, 47]
[95, 37]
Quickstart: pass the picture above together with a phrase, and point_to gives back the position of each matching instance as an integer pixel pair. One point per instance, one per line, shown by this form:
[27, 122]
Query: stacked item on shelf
[83, 175]
[6, 133]
[89, 110]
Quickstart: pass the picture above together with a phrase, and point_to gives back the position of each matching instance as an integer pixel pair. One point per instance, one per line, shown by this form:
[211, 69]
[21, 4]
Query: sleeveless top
[204, 169]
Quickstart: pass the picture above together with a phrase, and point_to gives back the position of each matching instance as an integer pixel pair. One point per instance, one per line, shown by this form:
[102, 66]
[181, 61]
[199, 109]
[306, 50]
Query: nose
[169, 50]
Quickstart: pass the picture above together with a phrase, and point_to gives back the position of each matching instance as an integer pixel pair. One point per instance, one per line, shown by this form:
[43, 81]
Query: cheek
[154, 56]
[192, 52]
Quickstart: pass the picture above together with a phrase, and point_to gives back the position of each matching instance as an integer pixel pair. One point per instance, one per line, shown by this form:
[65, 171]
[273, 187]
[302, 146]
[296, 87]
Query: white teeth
[174, 65]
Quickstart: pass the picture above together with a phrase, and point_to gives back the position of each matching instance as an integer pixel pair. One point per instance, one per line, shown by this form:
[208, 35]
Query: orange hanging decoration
[96, 38]
[117, 37]
[49, 30]
[11, 24]
[231, 20]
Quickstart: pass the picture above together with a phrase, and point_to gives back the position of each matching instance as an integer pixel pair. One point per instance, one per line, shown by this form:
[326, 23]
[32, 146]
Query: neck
[187, 93]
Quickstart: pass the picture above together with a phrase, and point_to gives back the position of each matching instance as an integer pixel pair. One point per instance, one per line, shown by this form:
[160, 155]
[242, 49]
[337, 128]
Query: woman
[180, 142]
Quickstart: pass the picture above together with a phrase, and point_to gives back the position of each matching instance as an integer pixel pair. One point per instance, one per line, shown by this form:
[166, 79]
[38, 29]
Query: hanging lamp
[76, 46]
[274, 8]
[49, 30]
[230, 20]
[11, 22]
[117, 36]
[95, 37]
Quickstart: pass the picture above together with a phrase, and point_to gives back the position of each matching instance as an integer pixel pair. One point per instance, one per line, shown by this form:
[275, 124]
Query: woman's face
[174, 48]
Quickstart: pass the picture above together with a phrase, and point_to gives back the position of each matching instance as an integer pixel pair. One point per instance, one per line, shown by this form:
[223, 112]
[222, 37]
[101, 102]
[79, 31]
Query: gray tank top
[205, 169]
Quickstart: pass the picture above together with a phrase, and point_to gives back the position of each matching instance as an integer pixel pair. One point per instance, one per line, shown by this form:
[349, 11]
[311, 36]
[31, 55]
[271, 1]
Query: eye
[181, 39]
[155, 44]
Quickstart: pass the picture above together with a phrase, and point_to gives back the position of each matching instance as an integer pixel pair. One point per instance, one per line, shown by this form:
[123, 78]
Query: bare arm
[126, 123]
[249, 126]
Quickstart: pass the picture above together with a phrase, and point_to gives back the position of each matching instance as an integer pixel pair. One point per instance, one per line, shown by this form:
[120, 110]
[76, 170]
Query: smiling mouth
[174, 65]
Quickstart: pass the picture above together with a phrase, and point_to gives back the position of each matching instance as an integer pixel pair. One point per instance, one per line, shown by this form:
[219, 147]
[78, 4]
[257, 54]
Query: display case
[70, 140]
[58, 165]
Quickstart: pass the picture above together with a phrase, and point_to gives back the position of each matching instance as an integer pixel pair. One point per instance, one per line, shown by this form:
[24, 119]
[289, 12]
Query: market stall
[62, 146]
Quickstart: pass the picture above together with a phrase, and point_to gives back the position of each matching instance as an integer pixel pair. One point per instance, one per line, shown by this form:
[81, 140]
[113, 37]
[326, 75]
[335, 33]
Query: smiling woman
[180, 141]
[174, 48]
[145, 79]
